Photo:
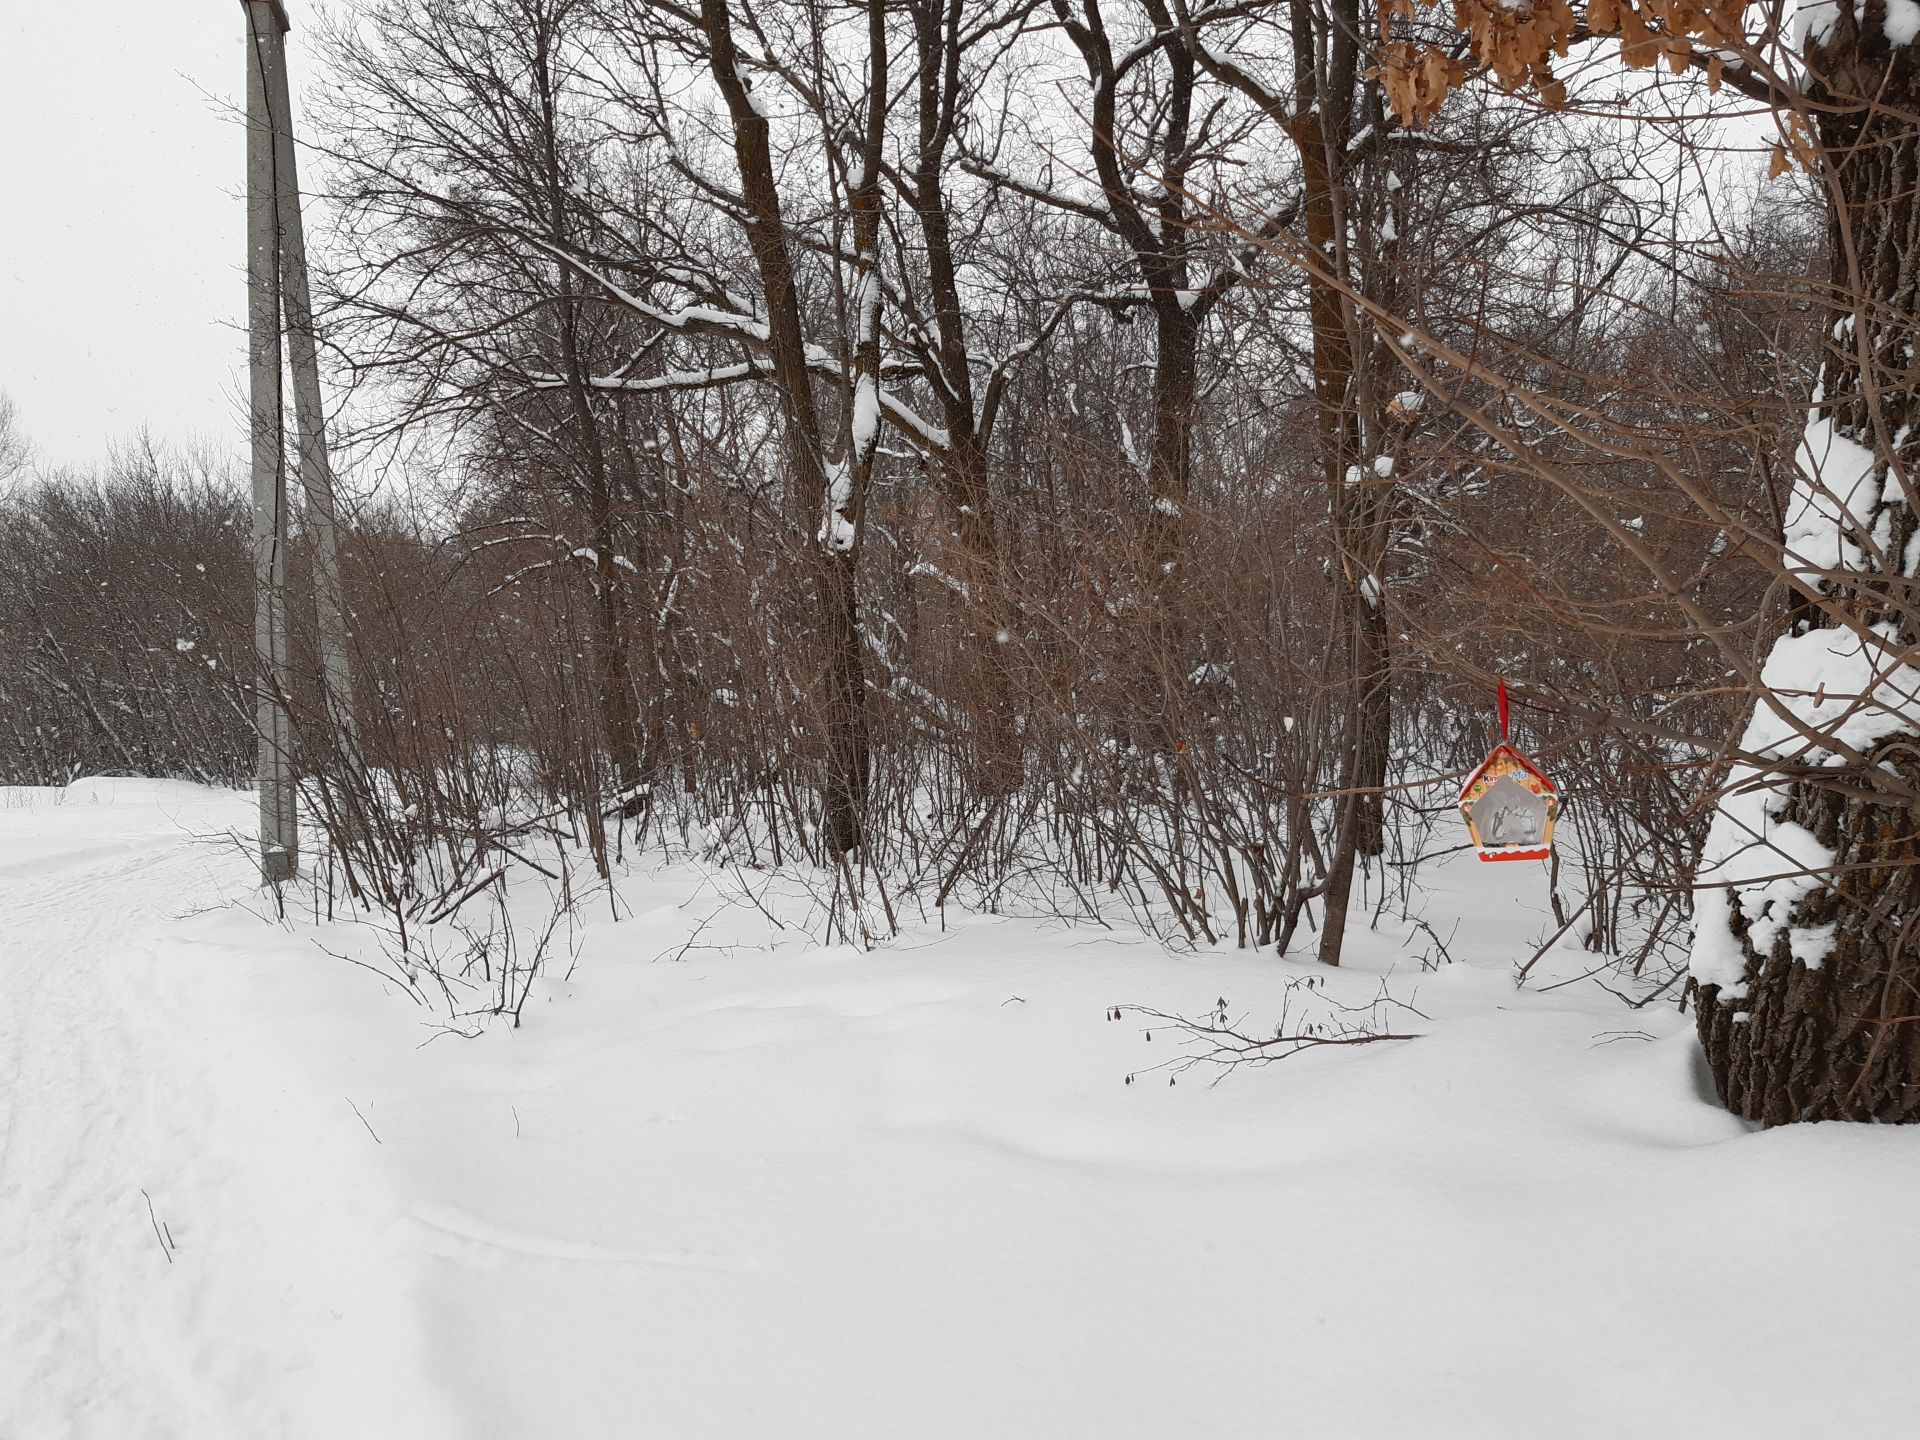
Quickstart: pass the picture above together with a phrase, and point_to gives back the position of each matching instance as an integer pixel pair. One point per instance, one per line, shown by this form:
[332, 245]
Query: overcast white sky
[121, 232]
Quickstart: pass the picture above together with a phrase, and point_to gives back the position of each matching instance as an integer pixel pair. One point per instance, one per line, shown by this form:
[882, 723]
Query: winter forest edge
[812, 480]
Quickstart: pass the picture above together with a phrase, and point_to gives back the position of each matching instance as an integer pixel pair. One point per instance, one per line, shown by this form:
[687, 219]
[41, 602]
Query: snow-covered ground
[750, 1187]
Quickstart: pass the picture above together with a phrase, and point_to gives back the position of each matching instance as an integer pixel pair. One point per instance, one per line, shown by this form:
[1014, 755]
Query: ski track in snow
[72, 1218]
[483, 1245]
[196, 1319]
[776, 1190]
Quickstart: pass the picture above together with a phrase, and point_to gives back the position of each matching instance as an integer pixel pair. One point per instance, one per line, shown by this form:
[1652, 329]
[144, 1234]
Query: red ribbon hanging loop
[1503, 712]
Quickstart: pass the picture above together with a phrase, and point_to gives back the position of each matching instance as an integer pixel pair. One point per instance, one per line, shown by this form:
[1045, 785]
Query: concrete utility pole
[279, 815]
[316, 470]
[277, 286]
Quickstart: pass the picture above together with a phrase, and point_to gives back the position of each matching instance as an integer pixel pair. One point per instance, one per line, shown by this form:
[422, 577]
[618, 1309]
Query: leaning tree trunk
[1807, 949]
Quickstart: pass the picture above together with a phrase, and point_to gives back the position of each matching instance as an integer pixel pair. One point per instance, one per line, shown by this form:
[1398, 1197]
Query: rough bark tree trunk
[1840, 1040]
[1836, 1035]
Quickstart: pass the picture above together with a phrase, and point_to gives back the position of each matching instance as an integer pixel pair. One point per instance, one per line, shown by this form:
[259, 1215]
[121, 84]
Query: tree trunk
[1800, 1021]
[997, 765]
[619, 697]
[1839, 1040]
[848, 748]
[1331, 97]
[618, 704]
[1160, 233]
[1372, 717]
[1176, 396]
[1319, 135]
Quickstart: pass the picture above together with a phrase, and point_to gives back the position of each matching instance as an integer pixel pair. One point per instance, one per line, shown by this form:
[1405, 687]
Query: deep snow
[769, 1189]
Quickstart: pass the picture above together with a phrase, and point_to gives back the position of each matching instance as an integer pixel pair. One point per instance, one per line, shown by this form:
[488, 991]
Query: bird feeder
[1509, 804]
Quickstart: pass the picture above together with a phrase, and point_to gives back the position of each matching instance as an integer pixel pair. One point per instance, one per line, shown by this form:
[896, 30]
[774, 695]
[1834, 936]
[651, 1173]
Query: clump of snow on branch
[836, 526]
[1832, 692]
[1836, 690]
[1817, 20]
[865, 427]
[1834, 495]
[1756, 864]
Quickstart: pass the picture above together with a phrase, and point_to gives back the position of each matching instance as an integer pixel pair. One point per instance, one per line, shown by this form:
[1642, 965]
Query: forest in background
[1097, 459]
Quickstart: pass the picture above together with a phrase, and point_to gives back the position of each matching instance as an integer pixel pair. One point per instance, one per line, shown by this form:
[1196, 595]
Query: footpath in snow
[723, 1182]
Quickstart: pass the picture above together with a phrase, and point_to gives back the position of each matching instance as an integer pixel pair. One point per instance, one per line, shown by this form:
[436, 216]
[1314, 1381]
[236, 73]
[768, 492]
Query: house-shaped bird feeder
[1510, 807]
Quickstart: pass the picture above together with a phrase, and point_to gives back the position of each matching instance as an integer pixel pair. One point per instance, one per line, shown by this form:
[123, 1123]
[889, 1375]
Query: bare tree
[468, 210]
[15, 451]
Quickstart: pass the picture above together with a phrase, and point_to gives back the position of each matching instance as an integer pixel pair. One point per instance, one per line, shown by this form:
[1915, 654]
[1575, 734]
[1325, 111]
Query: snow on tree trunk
[822, 491]
[1807, 916]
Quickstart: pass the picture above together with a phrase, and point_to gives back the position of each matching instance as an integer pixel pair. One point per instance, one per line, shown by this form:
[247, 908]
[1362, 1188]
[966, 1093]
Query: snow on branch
[668, 382]
[993, 174]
